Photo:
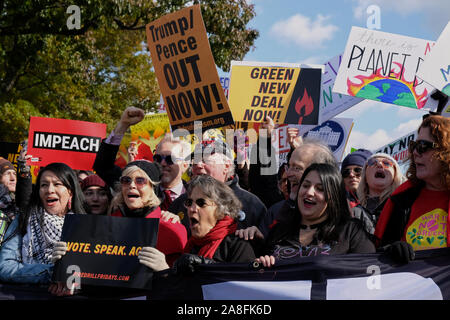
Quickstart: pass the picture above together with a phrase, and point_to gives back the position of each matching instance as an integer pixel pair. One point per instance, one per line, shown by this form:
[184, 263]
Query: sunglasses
[200, 202]
[385, 163]
[421, 146]
[346, 172]
[168, 159]
[139, 181]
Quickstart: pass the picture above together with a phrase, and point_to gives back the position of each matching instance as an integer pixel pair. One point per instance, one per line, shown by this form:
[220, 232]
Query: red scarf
[211, 241]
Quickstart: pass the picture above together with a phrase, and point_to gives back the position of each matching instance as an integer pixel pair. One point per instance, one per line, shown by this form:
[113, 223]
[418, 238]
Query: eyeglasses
[385, 163]
[421, 146]
[200, 202]
[346, 172]
[139, 181]
[168, 158]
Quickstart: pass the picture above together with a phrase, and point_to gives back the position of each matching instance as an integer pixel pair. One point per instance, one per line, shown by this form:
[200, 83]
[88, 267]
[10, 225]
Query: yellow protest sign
[257, 91]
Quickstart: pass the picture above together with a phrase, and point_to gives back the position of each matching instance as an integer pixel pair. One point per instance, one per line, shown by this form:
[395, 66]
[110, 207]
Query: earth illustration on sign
[389, 90]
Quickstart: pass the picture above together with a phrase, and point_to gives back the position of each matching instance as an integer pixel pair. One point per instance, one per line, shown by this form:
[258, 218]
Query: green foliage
[95, 72]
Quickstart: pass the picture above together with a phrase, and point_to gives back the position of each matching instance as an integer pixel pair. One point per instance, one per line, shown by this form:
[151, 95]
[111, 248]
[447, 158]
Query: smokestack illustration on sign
[304, 106]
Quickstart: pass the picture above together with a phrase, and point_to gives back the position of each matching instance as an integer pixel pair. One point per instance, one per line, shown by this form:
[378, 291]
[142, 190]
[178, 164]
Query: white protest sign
[334, 133]
[436, 68]
[331, 104]
[382, 66]
[398, 149]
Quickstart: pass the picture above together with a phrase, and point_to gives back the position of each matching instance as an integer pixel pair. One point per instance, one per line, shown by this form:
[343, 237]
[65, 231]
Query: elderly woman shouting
[417, 211]
[381, 175]
[212, 209]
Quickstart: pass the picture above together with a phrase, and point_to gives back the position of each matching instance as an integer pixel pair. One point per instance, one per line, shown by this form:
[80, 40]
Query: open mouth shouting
[308, 203]
[51, 201]
[380, 174]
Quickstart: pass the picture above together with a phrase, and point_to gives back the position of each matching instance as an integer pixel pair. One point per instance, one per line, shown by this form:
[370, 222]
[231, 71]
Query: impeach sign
[103, 250]
[73, 142]
[186, 71]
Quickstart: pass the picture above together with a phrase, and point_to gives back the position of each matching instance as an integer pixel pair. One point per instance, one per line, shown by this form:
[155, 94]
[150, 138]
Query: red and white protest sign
[73, 142]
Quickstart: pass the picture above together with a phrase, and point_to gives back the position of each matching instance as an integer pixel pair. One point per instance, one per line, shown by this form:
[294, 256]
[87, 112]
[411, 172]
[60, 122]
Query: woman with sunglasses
[213, 210]
[417, 212]
[380, 176]
[137, 199]
[319, 223]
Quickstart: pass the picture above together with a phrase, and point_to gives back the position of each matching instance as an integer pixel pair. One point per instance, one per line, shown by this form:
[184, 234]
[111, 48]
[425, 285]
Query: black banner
[103, 250]
[337, 277]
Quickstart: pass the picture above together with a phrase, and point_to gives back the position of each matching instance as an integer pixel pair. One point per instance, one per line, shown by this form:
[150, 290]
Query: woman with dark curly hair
[417, 211]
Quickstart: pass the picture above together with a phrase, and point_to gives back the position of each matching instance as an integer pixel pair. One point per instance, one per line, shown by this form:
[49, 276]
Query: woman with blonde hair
[380, 176]
[416, 215]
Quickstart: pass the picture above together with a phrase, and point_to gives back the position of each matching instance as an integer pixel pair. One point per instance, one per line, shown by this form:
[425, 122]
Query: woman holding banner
[416, 216]
[213, 210]
[137, 199]
[319, 223]
[26, 254]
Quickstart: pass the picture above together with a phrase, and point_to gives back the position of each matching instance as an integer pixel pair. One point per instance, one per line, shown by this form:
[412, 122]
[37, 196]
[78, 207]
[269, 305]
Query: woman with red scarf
[213, 209]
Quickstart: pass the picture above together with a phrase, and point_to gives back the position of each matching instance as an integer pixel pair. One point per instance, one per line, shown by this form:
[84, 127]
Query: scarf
[43, 231]
[211, 241]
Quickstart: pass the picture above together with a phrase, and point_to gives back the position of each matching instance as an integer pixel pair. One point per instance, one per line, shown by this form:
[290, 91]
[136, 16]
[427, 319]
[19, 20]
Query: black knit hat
[356, 158]
[5, 165]
[152, 169]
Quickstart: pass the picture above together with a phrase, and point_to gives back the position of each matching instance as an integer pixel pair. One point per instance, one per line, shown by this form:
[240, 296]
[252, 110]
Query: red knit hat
[5, 165]
[92, 180]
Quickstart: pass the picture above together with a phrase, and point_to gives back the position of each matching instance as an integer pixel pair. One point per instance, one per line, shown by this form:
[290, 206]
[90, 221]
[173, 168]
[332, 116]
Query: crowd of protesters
[309, 206]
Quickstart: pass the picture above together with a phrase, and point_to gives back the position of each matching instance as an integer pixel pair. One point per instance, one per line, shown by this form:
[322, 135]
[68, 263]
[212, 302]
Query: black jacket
[263, 173]
[254, 210]
[368, 216]
[232, 249]
[283, 242]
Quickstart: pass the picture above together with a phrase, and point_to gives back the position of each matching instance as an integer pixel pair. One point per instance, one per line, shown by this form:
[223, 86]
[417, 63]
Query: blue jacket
[12, 268]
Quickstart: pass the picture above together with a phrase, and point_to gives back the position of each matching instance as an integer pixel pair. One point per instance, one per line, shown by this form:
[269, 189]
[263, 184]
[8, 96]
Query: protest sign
[225, 82]
[382, 66]
[11, 152]
[331, 104]
[145, 136]
[446, 111]
[104, 249]
[73, 142]
[398, 149]
[286, 92]
[335, 133]
[186, 71]
[436, 68]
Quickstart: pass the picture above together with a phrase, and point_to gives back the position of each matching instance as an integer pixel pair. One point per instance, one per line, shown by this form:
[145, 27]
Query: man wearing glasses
[170, 154]
[351, 169]
[214, 158]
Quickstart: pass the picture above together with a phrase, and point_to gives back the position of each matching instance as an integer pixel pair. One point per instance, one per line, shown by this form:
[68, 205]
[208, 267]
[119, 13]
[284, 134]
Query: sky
[305, 31]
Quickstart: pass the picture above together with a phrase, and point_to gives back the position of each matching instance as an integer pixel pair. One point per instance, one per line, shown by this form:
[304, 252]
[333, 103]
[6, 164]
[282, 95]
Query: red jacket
[395, 215]
[172, 237]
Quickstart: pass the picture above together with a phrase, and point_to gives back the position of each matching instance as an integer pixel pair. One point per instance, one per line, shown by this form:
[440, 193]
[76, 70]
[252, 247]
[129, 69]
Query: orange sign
[186, 71]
